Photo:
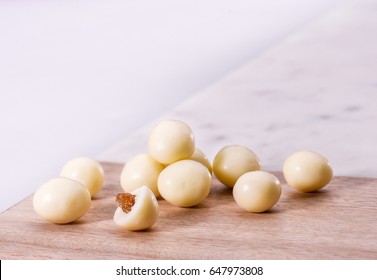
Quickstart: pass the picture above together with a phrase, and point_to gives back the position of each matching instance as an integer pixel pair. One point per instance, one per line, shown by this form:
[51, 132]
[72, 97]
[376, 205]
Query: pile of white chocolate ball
[175, 169]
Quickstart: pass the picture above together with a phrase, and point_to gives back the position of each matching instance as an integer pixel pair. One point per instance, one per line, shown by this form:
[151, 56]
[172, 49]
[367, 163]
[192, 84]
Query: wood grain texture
[338, 222]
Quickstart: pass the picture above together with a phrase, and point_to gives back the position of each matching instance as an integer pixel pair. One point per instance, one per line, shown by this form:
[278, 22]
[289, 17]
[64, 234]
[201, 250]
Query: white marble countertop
[315, 90]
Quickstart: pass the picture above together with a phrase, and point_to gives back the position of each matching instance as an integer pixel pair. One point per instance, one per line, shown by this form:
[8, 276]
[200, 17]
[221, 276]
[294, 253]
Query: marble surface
[315, 90]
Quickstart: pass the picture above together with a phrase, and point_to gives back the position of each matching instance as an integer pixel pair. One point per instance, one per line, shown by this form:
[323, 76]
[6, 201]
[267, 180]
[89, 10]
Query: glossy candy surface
[184, 183]
[233, 161]
[307, 171]
[257, 191]
[61, 200]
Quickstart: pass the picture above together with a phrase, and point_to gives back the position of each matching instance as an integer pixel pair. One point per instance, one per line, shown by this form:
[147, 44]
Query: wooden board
[338, 222]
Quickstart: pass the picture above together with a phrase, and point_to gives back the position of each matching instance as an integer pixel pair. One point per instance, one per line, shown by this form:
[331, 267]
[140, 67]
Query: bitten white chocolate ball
[257, 191]
[137, 210]
[61, 200]
[87, 171]
[307, 171]
[184, 183]
[141, 170]
[233, 161]
[170, 141]
[199, 156]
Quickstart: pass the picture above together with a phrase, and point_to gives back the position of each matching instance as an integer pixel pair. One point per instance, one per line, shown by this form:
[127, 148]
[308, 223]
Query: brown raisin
[125, 201]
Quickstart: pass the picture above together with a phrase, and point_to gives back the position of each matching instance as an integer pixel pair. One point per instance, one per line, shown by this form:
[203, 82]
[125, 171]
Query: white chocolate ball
[170, 141]
[199, 156]
[233, 161]
[257, 191]
[87, 171]
[141, 170]
[184, 183]
[61, 200]
[142, 215]
[307, 171]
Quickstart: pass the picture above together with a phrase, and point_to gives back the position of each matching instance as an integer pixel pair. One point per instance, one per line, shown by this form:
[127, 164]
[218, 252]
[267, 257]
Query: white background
[78, 76]
[272, 270]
